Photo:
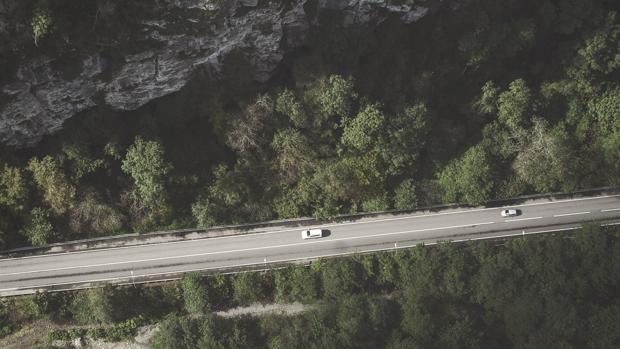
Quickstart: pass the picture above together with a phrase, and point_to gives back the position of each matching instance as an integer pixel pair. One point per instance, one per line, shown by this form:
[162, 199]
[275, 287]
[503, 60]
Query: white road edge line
[571, 214]
[243, 249]
[522, 219]
[310, 227]
[291, 260]
[611, 210]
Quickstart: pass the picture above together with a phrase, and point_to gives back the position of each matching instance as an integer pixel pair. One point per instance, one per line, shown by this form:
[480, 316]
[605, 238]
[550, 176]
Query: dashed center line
[571, 214]
[282, 260]
[325, 241]
[611, 210]
[522, 219]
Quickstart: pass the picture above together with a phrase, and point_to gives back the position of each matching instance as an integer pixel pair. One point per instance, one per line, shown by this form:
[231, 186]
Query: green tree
[336, 96]
[294, 153]
[225, 192]
[404, 196]
[175, 332]
[458, 331]
[57, 191]
[418, 317]
[96, 306]
[603, 327]
[376, 203]
[235, 195]
[145, 163]
[39, 229]
[283, 331]
[220, 290]
[287, 104]
[324, 333]
[500, 141]
[388, 275]
[406, 137]
[92, 217]
[352, 179]
[362, 132]
[82, 163]
[248, 129]
[544, 161]
[468, 179]
[340, 277]
[195, 293]
[237, 339]
[353, 322]
[204, 211]
[113, 150]
[400, 341]
[487, 103]
[248, 288]
[13, 190]
[601, 52]
[52, 305]
[209, 334]
[383, 316]
[41, 24]
[296, 283]
[515, 105]
[605, 110]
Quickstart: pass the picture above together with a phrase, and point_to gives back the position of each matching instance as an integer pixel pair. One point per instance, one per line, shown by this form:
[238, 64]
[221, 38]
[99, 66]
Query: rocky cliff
[40, 97]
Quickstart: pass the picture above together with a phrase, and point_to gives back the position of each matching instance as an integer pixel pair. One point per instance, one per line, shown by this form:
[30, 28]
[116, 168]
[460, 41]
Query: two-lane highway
[126, 264]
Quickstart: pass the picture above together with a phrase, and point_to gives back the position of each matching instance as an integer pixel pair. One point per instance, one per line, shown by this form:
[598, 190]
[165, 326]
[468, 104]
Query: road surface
[167, 260]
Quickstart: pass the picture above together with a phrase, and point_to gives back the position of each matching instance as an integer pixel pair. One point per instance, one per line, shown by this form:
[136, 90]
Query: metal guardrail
[280, 264]
[228, 230]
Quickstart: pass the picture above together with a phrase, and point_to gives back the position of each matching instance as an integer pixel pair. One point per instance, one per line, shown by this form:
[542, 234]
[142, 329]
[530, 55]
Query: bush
[220, 289]
[6, 325]
[13, 190]
[54, 306]
[404, 196]
[248, 288]
[58, 335]
[296, 283]
[57, 191]
[177, 332]
[195, 293]
[39, 229]
[95, 218]
[118, 332]
[341, 277]
[95, 306]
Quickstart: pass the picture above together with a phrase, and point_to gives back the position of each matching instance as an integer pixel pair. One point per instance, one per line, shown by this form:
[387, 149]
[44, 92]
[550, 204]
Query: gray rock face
[40, 98]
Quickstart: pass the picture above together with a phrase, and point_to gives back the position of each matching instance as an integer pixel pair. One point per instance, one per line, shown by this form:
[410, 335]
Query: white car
[311, 234]
[509, 213]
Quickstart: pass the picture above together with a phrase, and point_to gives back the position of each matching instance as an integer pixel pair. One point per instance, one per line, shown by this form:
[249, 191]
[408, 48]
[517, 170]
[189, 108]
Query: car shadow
[326, 232]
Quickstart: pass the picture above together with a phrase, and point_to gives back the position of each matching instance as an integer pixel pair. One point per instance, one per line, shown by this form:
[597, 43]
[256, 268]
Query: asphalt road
[163, 260]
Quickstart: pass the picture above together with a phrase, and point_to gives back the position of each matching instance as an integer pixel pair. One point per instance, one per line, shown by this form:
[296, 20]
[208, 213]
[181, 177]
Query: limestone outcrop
[40, 98]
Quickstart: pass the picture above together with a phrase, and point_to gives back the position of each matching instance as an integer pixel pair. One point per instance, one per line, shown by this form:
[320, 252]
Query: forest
[533, 292]
[487, 101]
